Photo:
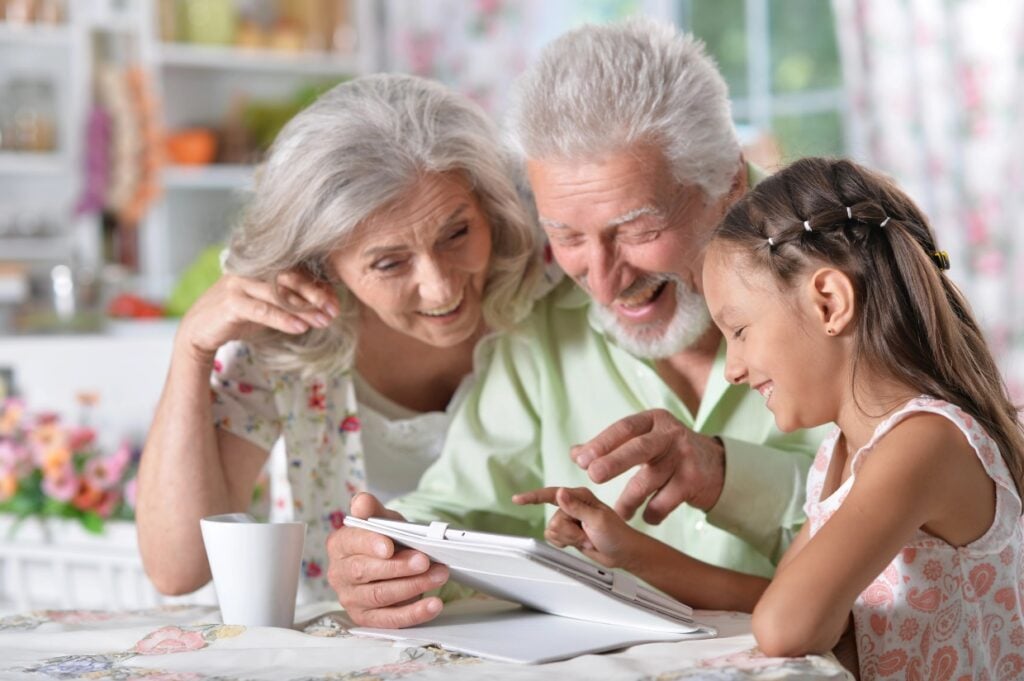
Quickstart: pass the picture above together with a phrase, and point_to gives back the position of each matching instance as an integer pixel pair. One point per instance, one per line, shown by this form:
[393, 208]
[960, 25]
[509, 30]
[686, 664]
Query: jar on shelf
[209, 22]
[29, 117]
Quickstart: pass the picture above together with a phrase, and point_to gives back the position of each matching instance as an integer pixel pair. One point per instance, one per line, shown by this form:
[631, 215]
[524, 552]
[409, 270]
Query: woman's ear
[832, 297]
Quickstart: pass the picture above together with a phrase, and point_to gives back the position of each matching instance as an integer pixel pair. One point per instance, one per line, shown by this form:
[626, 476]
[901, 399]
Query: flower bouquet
[48, 469]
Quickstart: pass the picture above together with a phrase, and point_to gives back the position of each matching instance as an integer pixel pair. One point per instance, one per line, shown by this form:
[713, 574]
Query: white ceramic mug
[255, 568]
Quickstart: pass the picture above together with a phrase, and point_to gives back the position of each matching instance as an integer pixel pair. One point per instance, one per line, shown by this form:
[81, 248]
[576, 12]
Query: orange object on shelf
[195, 146]
[129, 305]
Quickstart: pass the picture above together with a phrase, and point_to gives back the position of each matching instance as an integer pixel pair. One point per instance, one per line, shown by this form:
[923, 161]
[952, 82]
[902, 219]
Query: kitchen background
[129, 130]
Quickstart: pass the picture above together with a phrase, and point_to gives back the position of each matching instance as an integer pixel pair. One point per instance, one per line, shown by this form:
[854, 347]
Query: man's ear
[831, 294]
[739, 184]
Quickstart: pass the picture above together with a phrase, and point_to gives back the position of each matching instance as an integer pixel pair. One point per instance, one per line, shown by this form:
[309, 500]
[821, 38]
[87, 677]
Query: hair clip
[771, 242]
[941, 259]
[884, 222]
[849, 213]
[807, 226]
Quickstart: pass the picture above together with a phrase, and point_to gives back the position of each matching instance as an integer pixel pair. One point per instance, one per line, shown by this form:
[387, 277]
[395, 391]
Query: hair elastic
[883, 222]
[941, 259]
[849, 213]
[771, 242]
[807, 226]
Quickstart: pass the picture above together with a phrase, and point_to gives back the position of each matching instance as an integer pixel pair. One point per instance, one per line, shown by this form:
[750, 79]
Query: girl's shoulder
[929, 429]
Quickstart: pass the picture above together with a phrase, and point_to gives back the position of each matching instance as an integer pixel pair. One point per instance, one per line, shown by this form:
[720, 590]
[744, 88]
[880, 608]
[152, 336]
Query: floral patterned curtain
[480, 46]
[936, 93]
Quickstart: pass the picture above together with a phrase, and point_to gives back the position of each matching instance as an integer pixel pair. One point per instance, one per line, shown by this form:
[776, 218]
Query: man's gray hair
[603, 89]
[360, 147]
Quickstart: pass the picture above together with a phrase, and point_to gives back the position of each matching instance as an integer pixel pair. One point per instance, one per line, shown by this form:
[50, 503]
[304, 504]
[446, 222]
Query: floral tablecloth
[188, 643]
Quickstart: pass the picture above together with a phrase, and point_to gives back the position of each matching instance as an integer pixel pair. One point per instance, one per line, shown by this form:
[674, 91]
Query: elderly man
[629, 148]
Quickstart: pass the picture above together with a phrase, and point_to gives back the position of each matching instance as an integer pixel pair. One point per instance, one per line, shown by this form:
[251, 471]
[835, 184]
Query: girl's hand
[584, 522]
[236, 307]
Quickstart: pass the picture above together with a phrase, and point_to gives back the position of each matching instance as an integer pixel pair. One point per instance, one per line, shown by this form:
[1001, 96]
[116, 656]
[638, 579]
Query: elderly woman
[385, 238]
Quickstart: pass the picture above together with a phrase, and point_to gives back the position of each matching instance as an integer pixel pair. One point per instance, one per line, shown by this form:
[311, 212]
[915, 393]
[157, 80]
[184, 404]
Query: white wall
[125, 367]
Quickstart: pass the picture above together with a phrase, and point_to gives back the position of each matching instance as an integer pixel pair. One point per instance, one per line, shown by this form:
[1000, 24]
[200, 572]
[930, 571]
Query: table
[188, 643]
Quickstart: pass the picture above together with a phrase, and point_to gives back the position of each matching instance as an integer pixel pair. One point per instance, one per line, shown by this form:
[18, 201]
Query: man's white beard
[658, 341]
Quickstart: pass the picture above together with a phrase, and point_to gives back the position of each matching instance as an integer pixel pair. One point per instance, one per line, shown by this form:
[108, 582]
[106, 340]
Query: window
[781, 62]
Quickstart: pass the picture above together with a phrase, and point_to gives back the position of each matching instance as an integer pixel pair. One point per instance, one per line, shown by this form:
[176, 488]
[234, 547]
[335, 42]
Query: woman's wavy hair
[359, 148]
[912, 321]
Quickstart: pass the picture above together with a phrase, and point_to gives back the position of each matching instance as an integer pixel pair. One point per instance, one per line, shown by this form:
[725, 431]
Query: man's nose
[603, 274]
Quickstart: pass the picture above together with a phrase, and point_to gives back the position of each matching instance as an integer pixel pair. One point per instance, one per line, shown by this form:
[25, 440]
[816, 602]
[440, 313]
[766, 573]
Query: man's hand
[377, 586]
[676, 464]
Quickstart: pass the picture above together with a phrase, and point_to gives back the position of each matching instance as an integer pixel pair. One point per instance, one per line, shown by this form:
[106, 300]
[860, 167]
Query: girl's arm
[586, 523]
[909, 482]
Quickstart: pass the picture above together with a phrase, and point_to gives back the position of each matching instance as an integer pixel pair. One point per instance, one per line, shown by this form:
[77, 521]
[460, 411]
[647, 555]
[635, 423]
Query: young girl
[827, 284]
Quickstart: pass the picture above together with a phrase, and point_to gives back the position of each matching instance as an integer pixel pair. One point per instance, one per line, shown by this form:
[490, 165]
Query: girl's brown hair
[912, 322]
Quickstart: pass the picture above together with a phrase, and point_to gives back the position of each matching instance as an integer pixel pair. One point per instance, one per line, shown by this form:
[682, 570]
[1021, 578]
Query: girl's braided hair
[912, 322]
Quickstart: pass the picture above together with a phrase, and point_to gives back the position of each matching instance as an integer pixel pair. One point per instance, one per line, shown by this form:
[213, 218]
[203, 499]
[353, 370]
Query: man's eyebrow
[553, 224]
[449, 221]
[618, 221]
[633, 215]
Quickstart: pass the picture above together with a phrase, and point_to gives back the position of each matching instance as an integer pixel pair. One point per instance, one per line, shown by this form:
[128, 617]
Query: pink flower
[130, 492]
[107, 503]
[15, 458]
[168, 640]
[349, 424]
[313, 569]
[218, 366]
[63, 485]
[244, 388]
[80, 438]
[107, 472]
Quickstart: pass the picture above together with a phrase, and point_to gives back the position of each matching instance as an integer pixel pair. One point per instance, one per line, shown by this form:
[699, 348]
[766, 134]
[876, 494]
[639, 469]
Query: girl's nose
[735, 372]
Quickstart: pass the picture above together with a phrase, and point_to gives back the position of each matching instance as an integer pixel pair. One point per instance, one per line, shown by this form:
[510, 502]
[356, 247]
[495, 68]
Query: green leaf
[92, 522]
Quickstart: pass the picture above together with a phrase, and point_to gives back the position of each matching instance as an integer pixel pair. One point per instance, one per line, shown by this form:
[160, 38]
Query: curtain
[936, 99]
[478, 47]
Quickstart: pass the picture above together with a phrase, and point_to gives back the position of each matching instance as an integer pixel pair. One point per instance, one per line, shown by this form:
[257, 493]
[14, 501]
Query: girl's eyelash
[736, 334]
[385, 265]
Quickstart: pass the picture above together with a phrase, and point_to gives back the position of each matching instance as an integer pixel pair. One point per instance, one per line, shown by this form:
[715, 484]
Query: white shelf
[216, 176]
[40, 35]
[30, 163]
[251, 59]
[34, 247]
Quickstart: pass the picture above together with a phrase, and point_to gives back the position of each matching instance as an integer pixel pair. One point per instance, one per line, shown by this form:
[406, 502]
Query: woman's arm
[189, 469]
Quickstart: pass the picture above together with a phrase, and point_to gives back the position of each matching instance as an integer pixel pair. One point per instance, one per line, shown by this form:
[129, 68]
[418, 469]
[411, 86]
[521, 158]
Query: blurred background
[129, 130]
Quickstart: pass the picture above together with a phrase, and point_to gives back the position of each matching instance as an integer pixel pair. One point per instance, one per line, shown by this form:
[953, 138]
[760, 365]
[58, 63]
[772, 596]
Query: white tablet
[542, 577]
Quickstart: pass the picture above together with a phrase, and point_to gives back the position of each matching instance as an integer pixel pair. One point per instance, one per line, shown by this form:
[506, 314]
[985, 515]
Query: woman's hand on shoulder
[237, 307]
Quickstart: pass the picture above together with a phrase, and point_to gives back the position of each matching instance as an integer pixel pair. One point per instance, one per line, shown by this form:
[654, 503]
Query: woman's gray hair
[602, 89]
[359, 148]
